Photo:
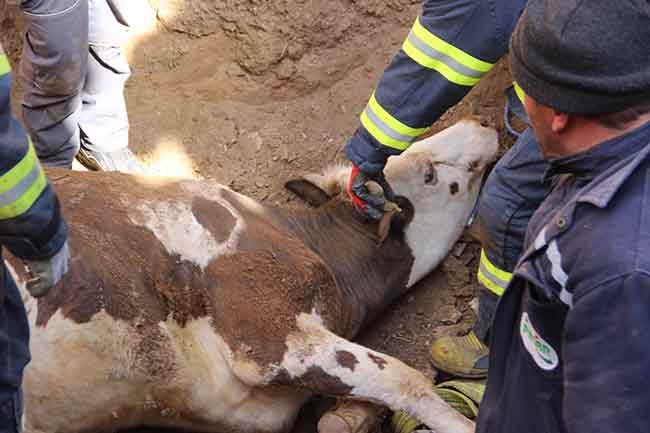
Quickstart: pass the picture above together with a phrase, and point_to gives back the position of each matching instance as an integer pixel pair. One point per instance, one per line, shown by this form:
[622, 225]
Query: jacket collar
[601, 189]
[598, 159]
[605, 166]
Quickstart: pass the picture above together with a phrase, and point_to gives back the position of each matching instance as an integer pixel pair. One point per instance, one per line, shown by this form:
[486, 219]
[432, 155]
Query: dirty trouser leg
[513, 192]
[104, 123]
[14, 355]
[54, 63]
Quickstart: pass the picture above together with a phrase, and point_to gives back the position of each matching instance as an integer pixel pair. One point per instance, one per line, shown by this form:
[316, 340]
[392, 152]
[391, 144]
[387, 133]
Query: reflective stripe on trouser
[492, 284]
[512, 193]
[454, 64]
[491, 277]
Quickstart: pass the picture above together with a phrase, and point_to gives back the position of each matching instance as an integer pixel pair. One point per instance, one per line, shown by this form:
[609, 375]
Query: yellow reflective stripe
[459, 55]
[392, 122]
[491, 286]
[437, 65]
[492, 277]
[499, 273]
[5, 67]
[380, 136]
[13, 177]
[454, 64]
[519, 91]
[18, 171]
[26, 201]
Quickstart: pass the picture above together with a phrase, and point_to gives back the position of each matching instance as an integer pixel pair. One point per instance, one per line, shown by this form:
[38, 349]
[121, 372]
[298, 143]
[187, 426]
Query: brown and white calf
[189, 305]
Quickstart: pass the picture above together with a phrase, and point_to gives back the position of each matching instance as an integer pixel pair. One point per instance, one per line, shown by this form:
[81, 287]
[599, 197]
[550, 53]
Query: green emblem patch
[543, 353]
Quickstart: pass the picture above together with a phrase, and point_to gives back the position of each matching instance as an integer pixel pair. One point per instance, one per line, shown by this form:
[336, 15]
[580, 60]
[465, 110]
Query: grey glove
[47, 273]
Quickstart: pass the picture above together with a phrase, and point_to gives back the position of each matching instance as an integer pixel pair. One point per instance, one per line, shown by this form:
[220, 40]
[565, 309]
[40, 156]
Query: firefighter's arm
[31, 224]
[450, 47]
[607, 354]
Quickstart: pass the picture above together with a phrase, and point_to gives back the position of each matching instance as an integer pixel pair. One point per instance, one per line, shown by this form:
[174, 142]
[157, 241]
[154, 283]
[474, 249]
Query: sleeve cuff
[368, 156]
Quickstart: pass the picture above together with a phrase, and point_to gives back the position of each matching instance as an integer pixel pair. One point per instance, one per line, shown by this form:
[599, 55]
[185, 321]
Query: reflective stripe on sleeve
[434, 53]
[519, 91]
[21, 186]
[494, 279]
[387, 129]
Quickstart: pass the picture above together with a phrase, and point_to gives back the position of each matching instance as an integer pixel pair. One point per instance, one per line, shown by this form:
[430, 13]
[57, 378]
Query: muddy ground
[255, 92]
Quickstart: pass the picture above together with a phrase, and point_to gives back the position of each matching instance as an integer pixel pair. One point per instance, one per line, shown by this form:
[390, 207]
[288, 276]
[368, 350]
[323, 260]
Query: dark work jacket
[570, 349]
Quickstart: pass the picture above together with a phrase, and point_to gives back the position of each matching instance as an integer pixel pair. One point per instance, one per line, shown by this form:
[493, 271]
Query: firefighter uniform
[451, 46]
[31, 228]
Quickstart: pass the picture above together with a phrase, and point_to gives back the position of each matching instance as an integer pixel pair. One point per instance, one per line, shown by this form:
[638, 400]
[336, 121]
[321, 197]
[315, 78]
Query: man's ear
[560, 122]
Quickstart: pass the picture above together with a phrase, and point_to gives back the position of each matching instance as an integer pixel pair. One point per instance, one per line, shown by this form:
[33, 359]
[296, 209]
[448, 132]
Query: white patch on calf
[175, 225]
[459, 155]
[71, 382]
[96, 376]
[216, 384]
[374, 376]
[436, 227]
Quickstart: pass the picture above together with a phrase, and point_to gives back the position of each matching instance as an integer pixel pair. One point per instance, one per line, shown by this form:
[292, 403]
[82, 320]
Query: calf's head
[440, 179]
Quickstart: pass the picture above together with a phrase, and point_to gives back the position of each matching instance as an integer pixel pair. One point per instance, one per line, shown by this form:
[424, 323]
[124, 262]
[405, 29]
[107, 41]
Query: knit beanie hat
[583, 56]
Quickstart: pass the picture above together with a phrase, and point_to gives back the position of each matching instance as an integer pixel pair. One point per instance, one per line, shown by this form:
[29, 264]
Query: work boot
[464, 395]
[121, 160]
[463, 356]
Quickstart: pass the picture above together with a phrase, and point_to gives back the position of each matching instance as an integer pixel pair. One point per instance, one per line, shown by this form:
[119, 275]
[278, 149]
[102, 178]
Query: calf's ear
[308, 191]
[395, 220]
[383, 228]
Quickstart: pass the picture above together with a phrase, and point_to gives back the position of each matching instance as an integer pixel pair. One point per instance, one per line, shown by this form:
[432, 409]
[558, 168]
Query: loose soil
[253, 93]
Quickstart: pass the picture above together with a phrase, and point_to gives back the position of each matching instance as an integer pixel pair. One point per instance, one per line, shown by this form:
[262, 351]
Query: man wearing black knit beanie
[570, 344]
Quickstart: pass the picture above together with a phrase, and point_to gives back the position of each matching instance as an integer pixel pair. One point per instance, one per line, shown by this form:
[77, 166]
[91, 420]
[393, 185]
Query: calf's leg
[327, 364]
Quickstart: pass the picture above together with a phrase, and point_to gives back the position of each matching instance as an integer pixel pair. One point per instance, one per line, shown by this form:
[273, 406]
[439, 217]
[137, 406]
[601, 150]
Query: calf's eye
[430, 176]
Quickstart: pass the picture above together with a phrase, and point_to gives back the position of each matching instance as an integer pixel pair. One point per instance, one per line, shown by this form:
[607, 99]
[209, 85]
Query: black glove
[366, 203]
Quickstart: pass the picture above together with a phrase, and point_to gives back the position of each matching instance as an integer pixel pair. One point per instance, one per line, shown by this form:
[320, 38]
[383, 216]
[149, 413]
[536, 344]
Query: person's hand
[47, 273]
[364, 201]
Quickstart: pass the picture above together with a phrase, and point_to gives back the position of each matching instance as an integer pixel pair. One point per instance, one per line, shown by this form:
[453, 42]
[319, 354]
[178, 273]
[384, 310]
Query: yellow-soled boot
[463, 356]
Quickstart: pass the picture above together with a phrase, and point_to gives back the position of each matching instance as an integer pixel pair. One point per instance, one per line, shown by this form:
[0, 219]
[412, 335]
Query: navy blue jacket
[31, 227]
[570, 346]
[452, 45]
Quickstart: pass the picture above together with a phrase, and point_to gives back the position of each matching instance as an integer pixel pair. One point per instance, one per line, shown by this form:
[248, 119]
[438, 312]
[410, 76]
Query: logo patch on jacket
[543, 353]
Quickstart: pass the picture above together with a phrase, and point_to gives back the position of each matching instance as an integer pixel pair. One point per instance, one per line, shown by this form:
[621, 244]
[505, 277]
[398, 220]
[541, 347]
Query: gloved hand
[366, 203]
[47, 273]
